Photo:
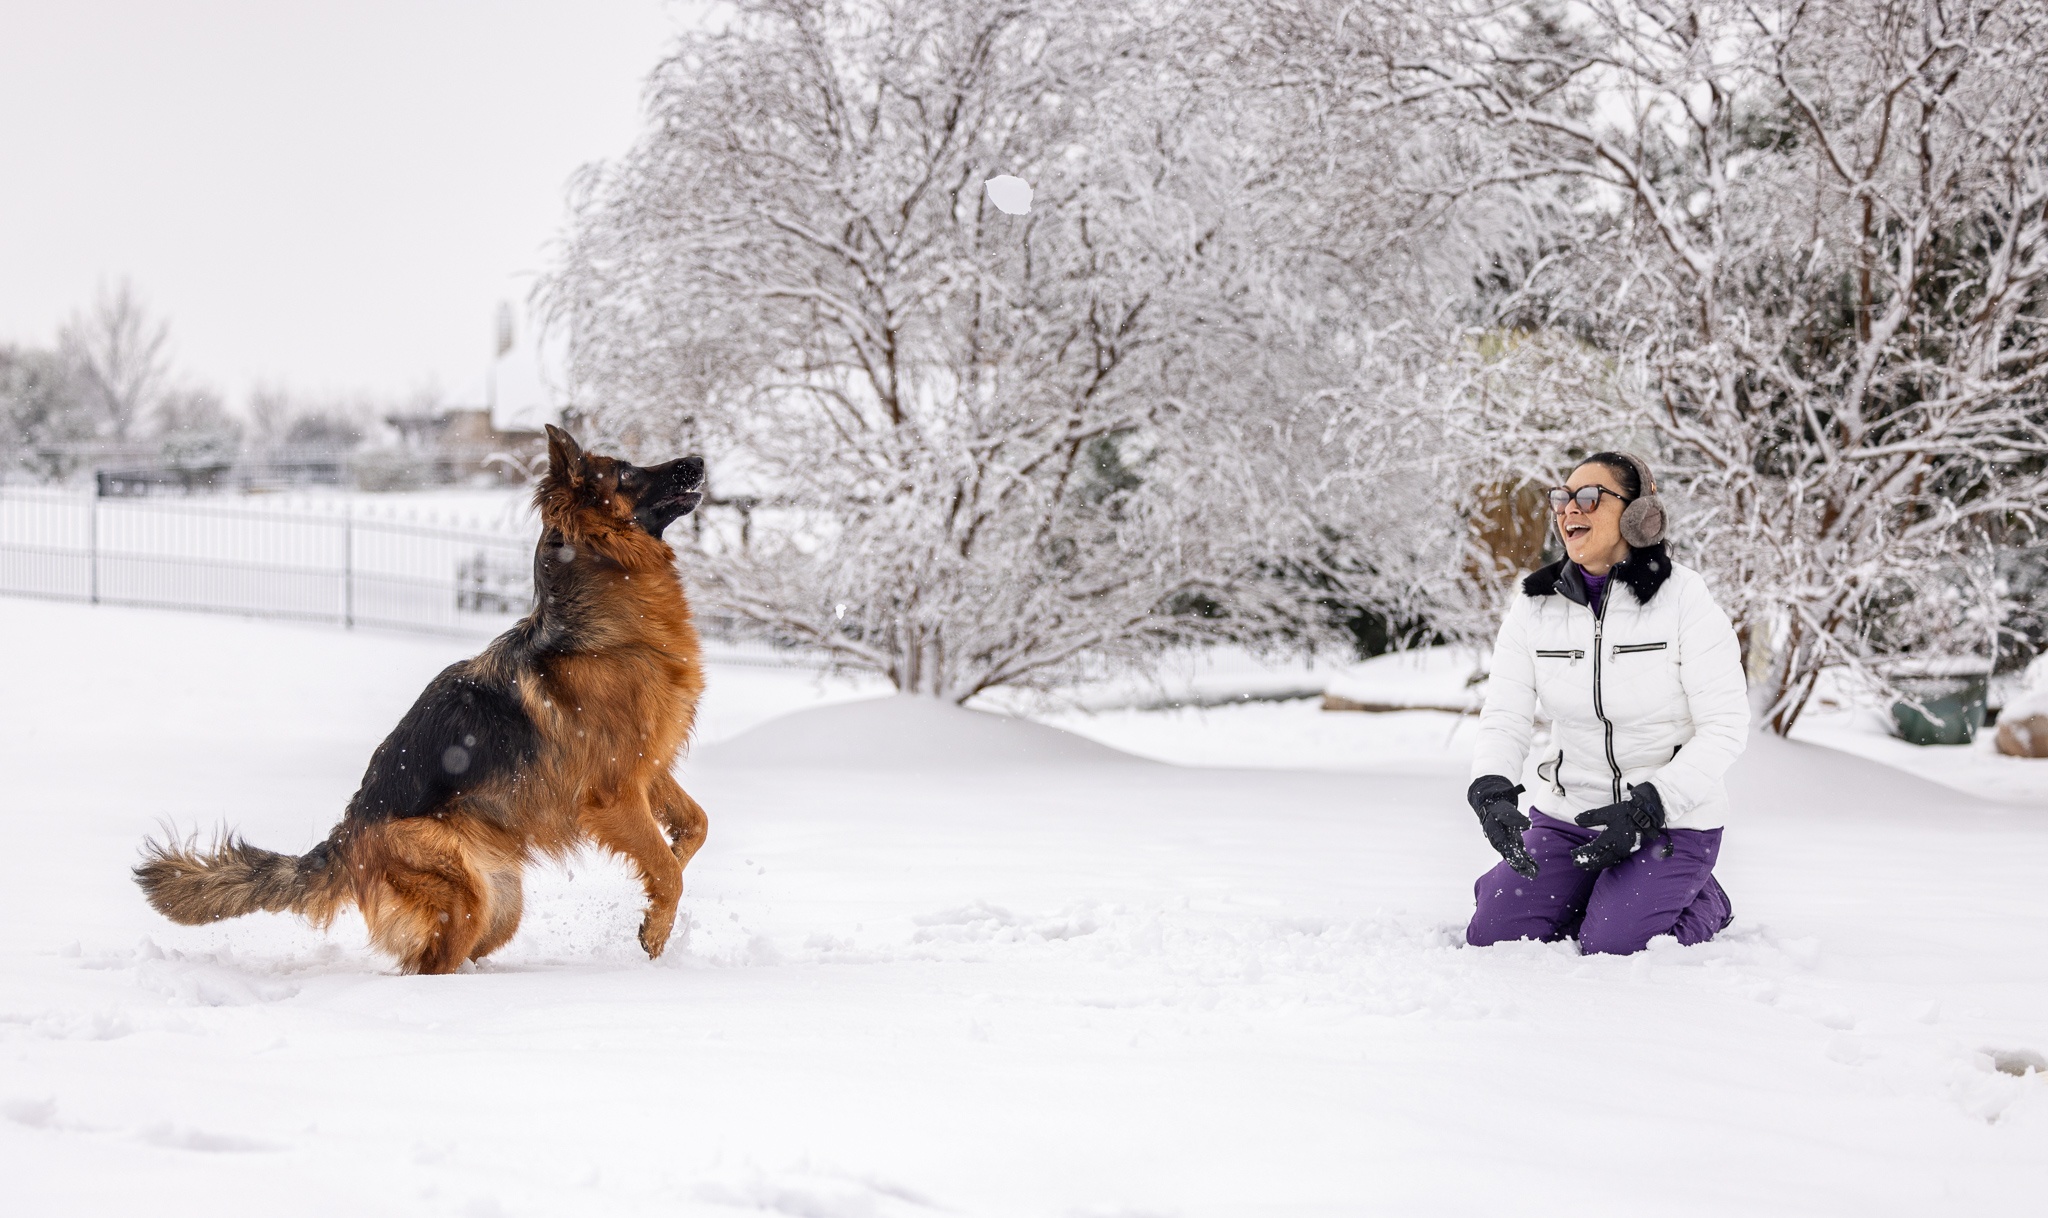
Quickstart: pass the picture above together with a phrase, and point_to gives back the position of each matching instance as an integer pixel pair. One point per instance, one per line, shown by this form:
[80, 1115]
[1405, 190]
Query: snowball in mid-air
[1009, 194]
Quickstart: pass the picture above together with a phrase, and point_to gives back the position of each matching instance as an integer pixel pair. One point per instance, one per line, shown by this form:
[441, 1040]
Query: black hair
[467, 728]
[1622, 468]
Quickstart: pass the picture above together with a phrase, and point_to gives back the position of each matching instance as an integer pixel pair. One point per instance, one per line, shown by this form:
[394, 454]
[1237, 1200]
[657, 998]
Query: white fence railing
[259, 560]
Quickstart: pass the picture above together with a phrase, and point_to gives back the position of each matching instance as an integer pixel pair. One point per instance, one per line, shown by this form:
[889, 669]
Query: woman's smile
[1593, 538]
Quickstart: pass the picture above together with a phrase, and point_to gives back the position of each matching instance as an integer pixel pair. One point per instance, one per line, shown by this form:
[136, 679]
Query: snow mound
[1795, 776]
[908, 732]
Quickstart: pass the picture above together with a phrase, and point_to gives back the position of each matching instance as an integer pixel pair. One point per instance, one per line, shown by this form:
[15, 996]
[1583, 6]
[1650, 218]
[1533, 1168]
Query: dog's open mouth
[684, 489]
[679, 503]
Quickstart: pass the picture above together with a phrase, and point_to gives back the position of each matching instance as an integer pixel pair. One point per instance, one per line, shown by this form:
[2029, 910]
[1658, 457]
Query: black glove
[1621, 826]
[1493, 798]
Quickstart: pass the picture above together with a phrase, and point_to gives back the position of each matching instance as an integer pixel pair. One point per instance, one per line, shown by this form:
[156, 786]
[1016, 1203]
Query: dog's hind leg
[425, 903]
[625, 825]
[683, 816]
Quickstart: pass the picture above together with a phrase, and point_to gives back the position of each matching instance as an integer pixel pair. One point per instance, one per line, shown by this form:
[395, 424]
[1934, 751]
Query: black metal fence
[262, 560]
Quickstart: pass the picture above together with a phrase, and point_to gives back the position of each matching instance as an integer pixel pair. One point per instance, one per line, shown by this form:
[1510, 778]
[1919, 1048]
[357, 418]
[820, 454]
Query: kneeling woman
[1627, 655]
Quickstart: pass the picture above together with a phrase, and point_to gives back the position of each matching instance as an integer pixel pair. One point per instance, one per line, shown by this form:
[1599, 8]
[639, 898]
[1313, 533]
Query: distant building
[463, 442]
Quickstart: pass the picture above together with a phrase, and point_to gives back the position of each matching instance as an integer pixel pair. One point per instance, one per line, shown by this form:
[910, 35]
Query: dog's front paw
[654, 933]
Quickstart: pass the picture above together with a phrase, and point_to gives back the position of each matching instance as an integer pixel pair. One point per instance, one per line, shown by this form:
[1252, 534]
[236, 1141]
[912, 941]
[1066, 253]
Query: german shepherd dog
[563, 730]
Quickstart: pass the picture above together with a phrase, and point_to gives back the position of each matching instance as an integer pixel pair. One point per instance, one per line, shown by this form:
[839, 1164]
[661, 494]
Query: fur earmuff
[1643, 520]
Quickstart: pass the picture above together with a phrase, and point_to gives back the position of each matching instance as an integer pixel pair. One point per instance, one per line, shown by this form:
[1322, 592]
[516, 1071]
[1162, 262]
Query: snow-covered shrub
[2032, 697]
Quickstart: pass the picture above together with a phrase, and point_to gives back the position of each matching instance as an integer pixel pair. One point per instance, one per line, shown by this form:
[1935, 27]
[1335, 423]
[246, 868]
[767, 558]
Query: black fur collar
[1644, 571]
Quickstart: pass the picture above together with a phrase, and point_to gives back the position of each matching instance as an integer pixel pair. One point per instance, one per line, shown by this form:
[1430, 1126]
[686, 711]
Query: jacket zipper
[1607, 725]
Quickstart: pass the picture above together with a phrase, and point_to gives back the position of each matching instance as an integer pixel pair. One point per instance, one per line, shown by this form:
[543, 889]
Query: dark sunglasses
[1587, 497]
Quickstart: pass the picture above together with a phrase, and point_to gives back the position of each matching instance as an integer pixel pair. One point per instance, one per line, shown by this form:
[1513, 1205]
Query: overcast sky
[333, 196]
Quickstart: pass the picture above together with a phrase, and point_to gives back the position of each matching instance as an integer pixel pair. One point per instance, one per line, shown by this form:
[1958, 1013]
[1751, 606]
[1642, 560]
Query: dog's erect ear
[565, 459]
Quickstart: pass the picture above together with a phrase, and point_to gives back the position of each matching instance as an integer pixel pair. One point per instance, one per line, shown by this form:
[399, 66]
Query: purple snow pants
[1616, 911]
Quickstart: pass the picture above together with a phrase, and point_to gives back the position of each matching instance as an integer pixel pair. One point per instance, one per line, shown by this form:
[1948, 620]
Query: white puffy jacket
[1650, 690]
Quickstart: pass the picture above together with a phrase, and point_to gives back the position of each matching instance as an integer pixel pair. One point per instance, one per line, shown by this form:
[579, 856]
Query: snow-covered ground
[937, 964]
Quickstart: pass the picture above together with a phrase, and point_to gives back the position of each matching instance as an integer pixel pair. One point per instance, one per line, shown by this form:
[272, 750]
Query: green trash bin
[1953, 708]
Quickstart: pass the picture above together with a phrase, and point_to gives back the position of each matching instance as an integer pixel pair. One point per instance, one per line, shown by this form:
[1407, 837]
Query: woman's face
[1593, 539]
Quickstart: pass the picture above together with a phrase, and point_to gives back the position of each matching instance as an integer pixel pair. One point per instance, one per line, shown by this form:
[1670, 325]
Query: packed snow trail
[1040, 984]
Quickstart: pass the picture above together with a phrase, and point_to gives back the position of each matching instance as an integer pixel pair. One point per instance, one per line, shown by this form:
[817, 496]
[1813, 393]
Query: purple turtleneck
[1596, 587]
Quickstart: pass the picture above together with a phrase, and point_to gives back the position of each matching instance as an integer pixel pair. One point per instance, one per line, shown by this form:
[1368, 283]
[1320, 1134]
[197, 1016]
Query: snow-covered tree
[1411, 437]
[121, 351]
[1311, 294]
[45, 414]
[1807, 245]
[195, 430]
[961, 447]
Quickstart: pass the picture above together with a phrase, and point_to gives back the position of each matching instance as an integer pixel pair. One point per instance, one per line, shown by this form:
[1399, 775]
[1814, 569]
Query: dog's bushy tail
[235, 878]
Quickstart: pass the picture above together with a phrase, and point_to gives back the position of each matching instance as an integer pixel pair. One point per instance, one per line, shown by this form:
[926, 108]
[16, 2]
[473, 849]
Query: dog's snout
[681, 474]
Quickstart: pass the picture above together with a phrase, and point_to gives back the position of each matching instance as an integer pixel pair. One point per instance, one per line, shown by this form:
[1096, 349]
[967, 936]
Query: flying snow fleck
[1012, 195]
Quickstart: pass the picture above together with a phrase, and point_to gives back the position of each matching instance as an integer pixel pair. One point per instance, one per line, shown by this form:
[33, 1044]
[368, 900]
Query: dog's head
[586, 485]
